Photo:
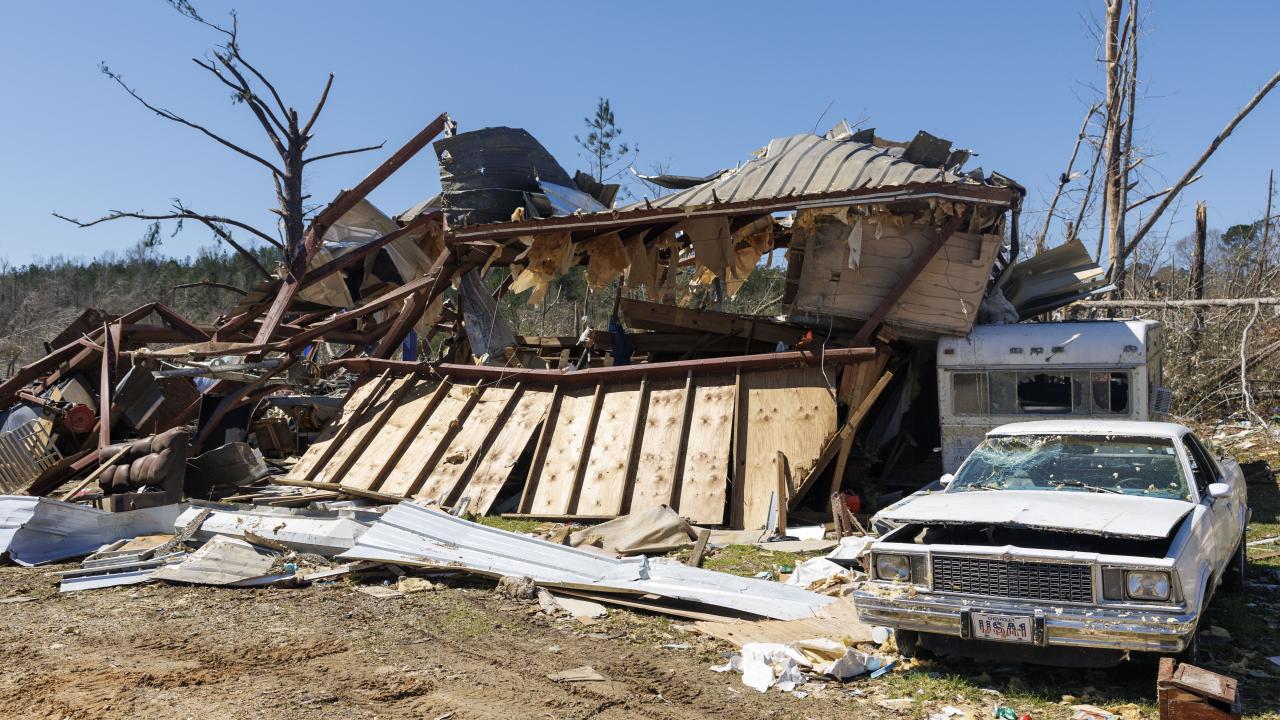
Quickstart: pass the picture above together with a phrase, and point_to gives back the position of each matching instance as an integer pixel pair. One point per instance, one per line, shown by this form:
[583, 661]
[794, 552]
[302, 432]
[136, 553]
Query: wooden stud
[540, 450]
[580, 470]
[682, 447]
[855, 419]
[782, 496]
[633, 447]
[738, 496]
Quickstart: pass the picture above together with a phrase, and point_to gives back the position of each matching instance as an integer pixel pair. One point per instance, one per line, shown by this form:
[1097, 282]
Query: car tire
[1235, 575]
[908, 642]
[1191, 653]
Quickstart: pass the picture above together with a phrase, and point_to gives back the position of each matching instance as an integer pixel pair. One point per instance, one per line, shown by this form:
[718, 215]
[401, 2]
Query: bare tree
[289, 137]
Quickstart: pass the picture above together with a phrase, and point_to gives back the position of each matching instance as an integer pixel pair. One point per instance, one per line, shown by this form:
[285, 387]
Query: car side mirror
[1219, 490]
[946, 479]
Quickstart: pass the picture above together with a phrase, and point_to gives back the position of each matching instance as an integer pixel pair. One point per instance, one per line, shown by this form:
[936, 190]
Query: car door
[1224, 526]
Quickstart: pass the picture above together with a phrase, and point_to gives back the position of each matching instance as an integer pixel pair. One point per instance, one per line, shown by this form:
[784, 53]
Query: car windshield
[1075, 463]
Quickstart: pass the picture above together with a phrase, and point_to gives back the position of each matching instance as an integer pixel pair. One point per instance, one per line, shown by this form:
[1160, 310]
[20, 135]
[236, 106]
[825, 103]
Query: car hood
[1082, 512]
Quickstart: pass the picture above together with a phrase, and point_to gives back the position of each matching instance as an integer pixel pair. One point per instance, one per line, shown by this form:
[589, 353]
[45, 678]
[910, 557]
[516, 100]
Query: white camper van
[1001, 374]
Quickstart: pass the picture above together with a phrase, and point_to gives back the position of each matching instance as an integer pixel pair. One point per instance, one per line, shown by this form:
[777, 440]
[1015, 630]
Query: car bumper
[1081, 627]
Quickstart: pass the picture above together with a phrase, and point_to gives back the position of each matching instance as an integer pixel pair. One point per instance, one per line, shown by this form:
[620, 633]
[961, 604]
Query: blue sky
[696, 85]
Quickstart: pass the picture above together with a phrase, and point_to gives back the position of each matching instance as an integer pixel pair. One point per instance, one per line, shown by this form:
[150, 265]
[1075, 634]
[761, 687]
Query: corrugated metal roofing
[412, 534]
[808, 165]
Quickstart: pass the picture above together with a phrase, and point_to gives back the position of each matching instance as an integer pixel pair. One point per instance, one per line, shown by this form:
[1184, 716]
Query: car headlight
[895, 568]
[1146, 585]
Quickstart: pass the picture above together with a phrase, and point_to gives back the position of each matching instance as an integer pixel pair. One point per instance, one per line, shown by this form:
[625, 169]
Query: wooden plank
[357, 404]
[494, 468]
[605, 473]
[405, 426]
[447, 475]
[633, 445]
[499, 421]
[792, 411]
[362, 431]
[699, 548]
[584, 452]
[705, 476]
[563, 453]
[738, 453]
[851, 428]
[540, 449]
[782, 495]
[656, 457]
[404, 474]
[656, 316]
[681, 443]
[829, 359]
[378, 441]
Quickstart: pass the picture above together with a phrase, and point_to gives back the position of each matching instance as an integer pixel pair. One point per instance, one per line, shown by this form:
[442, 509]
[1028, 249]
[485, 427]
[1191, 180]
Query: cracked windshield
[1129, 466]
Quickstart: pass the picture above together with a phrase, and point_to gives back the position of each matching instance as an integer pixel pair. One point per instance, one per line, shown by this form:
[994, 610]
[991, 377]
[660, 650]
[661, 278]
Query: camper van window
[969, 391]
[1004, 393]
[1110, 393]
[1047, 393]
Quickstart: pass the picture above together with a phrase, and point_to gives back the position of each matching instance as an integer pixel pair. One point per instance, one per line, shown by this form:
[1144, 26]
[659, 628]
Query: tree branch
[181, 214]
[210, 283]
[1155, 195]
[324, 95]
[183, 121]
[1199, 163]
[246, 95]
[259, 108]
[326, 156]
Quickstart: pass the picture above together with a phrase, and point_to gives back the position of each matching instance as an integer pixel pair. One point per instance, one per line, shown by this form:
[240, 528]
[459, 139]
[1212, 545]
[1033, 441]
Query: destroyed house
[733, 419]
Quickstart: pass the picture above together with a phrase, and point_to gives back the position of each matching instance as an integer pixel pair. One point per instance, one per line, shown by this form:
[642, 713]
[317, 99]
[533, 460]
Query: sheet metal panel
[413, 534]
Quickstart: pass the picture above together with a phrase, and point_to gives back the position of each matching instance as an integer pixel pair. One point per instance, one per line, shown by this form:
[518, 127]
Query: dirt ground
[160, 651]
[463, 651]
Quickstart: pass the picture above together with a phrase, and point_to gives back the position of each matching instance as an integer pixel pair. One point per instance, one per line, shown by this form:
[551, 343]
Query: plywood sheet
[380, 449]
[704, 480]
[360, 433]
[559, 469]
[659, 441]
[944, 298]
[788, 410]
[312, 455]
[468, 441]
[403, 477]
[605, 478]
[495, 467]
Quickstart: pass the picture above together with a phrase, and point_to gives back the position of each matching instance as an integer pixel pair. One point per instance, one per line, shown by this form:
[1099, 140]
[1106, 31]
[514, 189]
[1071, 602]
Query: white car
[1062, 542]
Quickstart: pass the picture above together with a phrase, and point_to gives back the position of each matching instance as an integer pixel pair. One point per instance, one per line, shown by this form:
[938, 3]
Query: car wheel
[908, 642]
[1236, 572]
[1191, 653]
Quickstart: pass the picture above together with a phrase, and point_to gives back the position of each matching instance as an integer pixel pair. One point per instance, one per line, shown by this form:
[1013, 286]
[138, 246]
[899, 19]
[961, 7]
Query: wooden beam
[737, 501]
[94, 475]
[442, 270]
[851, 428]
[633, 446]
[891, 299]
[699, 548]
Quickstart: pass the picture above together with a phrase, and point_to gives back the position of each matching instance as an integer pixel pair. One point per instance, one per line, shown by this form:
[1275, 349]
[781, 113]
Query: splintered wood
[584, 449]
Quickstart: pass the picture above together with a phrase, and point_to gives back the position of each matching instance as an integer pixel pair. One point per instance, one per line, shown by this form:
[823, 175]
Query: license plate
[1005, 628]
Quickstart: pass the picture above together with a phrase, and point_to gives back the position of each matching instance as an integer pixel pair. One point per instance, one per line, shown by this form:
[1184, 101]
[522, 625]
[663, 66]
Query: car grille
[1058, 582]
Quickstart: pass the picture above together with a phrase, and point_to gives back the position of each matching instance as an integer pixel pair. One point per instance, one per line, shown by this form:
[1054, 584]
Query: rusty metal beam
[345, 200]
[619, 373]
